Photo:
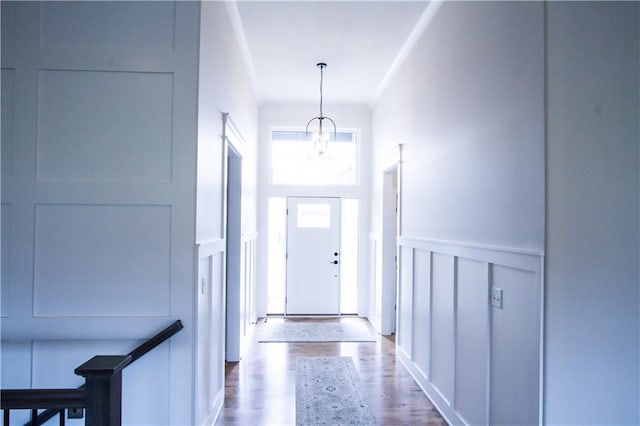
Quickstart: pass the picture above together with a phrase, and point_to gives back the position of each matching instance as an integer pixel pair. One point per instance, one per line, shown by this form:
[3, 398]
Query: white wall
[593, 84]
[295, 116]
[224, 87]
[469, 104]
[468, 107]
[98, 213]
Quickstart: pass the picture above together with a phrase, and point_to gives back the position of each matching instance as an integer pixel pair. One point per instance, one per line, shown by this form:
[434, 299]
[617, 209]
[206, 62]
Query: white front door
[313, 256]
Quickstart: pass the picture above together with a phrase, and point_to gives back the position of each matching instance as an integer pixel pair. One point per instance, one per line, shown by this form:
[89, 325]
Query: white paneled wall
[210, 326]
[480, 364]
[211, 295]
[98, 195]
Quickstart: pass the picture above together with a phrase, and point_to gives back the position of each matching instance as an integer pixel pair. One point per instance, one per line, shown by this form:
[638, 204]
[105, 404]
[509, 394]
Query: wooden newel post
[103, 375]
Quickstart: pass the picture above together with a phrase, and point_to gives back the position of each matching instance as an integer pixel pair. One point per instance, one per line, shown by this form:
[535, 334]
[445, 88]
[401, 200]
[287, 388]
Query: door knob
[335, 262]
[335, 253]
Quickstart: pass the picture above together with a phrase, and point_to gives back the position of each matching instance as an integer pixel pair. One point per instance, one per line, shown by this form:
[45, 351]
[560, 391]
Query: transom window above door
[294, 160]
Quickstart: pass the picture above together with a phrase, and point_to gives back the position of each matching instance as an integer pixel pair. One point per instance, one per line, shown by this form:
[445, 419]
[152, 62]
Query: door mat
[353, 330]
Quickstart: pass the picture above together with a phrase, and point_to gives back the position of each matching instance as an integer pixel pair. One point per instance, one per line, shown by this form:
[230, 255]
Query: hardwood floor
[260, 390]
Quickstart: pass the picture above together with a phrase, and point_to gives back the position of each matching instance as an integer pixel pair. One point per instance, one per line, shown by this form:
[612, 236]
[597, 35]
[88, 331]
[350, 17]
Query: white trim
[487, 276]
[407, 47]
[541, 384]
[391, 159]
[431, 391]
[210, 247]
[249, 236]
[231, 135]
[455, 248]
[216, 409]
[238, 29]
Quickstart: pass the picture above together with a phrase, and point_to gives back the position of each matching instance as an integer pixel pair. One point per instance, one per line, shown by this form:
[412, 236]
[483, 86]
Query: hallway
[260, 390]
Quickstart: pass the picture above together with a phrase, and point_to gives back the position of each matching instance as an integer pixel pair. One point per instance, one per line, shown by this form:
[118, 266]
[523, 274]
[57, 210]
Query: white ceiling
[359, 41]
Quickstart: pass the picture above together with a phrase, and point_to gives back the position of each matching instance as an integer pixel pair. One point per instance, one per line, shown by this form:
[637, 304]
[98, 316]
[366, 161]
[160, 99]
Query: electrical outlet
[496, 297]
[75, 413]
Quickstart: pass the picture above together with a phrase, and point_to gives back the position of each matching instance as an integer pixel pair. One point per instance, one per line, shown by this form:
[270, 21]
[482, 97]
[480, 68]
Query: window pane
[349, 257]
[314, 216]
[277, 266]
[294, 160]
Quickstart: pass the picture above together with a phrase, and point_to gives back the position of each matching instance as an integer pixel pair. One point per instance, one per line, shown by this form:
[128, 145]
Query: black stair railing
[100, 396]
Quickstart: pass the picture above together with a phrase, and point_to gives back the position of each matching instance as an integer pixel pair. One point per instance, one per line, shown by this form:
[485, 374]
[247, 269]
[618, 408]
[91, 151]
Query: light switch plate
[496, 297]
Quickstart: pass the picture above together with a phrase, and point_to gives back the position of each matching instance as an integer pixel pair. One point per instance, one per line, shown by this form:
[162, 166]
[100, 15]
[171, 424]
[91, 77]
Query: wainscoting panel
[124, 251]
[472, 341]
[210, 332]
[478, 363]
[108, 25]
[248, 313]
[16, 372]
[421, 309]
[102, 200]
[6, 226]
[405, 301]
[8, 107]
[375, 316]
[125, 132]
[442, 324]
[515, 347]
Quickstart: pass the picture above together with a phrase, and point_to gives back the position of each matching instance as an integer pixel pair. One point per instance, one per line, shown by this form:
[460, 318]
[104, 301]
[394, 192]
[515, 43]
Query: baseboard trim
[430, 391]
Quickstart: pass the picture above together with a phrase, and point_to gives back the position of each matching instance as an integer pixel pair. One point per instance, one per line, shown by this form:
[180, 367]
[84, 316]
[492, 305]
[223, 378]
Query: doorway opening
[312, 217]
[236, 295]
[391, 228]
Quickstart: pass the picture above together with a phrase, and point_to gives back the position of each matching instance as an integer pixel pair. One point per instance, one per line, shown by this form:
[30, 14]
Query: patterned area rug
[355, 330]
[328, 393]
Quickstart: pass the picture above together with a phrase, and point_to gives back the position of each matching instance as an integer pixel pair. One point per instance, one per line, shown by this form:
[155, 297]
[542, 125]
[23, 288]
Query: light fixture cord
[321, 78]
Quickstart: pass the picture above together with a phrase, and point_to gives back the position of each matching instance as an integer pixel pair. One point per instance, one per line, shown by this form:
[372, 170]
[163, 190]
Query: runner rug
[353, 330]
[328, 393]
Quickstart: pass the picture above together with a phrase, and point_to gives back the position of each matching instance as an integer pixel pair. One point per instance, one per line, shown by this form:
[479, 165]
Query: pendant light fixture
[320, 136]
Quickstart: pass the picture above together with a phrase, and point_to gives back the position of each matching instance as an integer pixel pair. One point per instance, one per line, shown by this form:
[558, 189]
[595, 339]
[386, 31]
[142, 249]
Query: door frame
[391, 230]
[234, 149]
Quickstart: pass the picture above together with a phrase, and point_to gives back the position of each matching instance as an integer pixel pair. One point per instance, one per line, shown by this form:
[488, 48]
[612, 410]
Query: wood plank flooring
[260, 389]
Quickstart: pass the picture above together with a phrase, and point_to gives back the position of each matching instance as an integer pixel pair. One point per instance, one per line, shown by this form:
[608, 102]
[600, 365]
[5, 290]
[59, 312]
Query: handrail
[56, 400]
[156, 340]
[17, 399]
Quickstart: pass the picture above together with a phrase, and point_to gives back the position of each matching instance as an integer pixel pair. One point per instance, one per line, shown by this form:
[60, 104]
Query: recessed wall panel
[421, 308]
[377, 268]
[102, 260]
[5, 286]
[205, 346]
[16, 364]
[405, 297]
[16, 372]
[7, 113]
[515, 356]
[104, 126]
[472, 341]
[217, 330]
[442, 326]
[118, 25]
[8, 16]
